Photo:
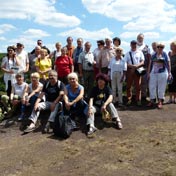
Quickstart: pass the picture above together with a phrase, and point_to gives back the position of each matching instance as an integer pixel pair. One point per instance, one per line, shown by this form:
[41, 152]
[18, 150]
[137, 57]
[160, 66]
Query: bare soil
[146, 146]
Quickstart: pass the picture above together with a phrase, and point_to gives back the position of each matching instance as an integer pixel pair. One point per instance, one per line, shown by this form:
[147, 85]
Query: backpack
[58, 84]
[62, 126]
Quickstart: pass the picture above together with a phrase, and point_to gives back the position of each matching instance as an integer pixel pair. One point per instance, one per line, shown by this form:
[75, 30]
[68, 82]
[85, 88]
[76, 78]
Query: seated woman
[34, 89]
[73, 97]
[17, 96]
[100, 101]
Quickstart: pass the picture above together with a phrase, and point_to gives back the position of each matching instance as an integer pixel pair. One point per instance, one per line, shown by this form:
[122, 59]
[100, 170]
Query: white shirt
[117, 66]
[137, 57]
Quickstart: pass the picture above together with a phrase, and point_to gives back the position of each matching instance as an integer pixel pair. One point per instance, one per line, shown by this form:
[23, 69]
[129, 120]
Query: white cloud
[35, 33]
[133, 35]
[6, 28]
[40, 11]
[90, 35]
[138, 15]
[2, 38]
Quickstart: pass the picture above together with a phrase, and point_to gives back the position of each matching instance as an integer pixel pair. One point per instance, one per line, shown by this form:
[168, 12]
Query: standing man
[146, 51]
[70, 47]
[86, 67]
[77, 51]
[53, 92]
[22, 56]
[96, 52]
[134, 59]
[105, 56]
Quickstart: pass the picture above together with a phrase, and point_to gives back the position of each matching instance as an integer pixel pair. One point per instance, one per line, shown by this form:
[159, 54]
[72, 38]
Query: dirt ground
[145, 147]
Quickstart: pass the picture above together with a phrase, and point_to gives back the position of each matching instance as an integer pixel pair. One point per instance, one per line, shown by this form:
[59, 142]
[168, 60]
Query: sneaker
[160, 106]
[47, 128]
[119, 125]
[30, 128]
[128, 103]
[169, 102]
[91, 130]
[21, 117]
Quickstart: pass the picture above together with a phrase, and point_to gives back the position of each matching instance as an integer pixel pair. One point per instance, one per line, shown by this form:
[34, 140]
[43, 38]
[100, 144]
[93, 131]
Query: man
[76, 53]
[86, 64]
[96, 52]
[23, 58]
[33, 58]
[100, 101]
[70, 47]
[134, 59]
[53, 92]
[146, 51]
[105, 56]
[40, 43]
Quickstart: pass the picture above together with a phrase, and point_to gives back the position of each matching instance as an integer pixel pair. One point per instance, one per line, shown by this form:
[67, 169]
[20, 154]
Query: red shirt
[63, 65]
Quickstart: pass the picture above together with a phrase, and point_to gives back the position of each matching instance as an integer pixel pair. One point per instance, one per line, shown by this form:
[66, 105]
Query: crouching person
[17, 97]
[75, 106]
[52, 94]
[100, 101]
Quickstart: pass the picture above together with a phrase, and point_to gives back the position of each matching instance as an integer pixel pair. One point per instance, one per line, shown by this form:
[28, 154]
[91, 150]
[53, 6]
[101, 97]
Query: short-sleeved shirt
[63, 65]
[43, 64]
[72, 95]
[23, 59]
[52, 91]
[137, 57]
[86, 59]
[100, 95]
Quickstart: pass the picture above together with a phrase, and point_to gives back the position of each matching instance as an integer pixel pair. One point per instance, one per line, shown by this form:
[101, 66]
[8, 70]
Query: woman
[73, 98]
[118, 68]
[43, 65]
[172, 86]
[158, 73]
[34, 89]
[63, 66]
[56, 53]
[10, 66]
[17, 96]
[100, 101]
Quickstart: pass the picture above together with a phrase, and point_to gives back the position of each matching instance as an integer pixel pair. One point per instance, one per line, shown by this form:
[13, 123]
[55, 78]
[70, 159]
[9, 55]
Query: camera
[89, 64]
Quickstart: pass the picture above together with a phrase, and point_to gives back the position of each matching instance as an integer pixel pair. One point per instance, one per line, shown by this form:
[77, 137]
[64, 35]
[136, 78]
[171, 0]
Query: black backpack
[62, 126]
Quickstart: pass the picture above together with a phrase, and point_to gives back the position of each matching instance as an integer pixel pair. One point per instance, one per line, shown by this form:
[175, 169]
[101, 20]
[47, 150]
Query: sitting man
[53, 92]
[100, 101]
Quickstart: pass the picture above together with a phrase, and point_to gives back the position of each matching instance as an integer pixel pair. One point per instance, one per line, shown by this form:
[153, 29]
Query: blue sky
[53, 21]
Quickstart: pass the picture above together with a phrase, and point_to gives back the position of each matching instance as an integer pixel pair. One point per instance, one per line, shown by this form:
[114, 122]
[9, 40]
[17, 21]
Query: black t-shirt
[100, 95]
[52, 92]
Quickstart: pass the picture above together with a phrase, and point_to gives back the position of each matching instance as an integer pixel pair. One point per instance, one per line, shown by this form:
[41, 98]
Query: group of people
[77, 80]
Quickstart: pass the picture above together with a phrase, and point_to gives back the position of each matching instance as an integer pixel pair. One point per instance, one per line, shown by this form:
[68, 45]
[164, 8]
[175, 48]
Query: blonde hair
[45, 51]
[35, 75]
[72, 75]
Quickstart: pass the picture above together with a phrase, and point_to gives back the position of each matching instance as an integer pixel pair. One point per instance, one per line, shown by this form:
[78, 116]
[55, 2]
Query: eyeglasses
[10, 50]
[160, 47]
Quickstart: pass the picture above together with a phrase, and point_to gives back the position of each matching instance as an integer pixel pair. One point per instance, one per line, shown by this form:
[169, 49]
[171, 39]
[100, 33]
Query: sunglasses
[160, 47]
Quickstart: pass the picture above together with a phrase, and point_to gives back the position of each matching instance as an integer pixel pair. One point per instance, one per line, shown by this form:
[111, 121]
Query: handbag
[106, 116]
[139, 71]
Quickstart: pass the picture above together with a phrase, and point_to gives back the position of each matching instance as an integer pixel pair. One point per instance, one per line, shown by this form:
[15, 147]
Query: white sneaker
[91, 130]
[119, 125]
[30, 128]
